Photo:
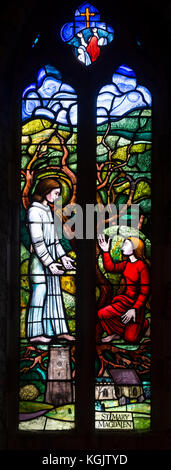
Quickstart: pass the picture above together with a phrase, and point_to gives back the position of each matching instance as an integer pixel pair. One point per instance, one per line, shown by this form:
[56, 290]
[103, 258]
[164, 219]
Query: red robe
[135, 296]
[93, 49]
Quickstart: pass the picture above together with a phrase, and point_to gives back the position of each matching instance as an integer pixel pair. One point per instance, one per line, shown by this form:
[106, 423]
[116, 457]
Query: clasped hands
[55, 268]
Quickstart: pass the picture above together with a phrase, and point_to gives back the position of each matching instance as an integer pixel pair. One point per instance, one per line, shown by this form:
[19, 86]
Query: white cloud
[121, 97]
[52, 99]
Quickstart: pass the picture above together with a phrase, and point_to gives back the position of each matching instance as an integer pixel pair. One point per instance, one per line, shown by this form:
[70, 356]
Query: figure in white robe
[83, 55]
[46, 314]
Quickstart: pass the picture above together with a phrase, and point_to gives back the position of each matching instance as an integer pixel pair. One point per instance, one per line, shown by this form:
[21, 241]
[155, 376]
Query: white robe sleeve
[59, 249]
[35, 227]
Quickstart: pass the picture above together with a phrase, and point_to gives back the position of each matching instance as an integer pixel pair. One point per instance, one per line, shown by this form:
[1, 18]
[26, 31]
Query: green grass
[61, 413]
[32, 407]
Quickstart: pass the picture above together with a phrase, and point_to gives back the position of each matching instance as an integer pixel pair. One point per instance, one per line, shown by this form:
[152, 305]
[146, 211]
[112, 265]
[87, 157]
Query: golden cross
[87, 14]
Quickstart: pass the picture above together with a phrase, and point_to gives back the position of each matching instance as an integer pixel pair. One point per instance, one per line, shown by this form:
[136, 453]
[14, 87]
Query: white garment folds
[46, 310]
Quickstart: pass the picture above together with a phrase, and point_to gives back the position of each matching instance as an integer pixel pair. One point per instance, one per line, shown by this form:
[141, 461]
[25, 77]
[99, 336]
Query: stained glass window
[123, 160]
[123, 246]
[87, 33]
[48, 262]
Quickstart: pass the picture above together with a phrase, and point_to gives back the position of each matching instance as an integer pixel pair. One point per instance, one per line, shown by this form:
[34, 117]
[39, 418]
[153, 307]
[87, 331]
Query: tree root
[136, 359]
[36, 360]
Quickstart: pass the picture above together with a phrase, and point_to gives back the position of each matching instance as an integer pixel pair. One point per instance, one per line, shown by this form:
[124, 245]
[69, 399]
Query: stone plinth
[59, 381]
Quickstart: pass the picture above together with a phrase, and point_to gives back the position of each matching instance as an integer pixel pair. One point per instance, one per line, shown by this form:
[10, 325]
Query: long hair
[139, 252]
[44, 187]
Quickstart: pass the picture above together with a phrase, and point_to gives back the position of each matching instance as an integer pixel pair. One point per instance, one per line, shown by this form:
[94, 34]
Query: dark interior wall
[149, 23]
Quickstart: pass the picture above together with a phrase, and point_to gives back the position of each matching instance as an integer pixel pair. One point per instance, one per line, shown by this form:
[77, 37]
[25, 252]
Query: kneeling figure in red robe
[125, 316]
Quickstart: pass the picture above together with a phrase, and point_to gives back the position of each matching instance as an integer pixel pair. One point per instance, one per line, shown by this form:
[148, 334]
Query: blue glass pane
[49, 87]
[67, 31]
[52, 71]
[125, 70]
[29, 88]
[122, 96]
[40, 76]
[62, 116]
[44, 112]
[89, 9]
[65, 87]
[131, 101]
[111, 89]
[146, 94]
[124, 83]
[73, 115]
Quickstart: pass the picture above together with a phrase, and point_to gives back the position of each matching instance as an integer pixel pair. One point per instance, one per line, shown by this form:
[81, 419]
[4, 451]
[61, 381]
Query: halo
[65, 182]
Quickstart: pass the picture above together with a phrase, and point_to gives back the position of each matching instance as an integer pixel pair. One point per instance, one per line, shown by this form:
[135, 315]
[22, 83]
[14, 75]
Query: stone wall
[12, 20]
